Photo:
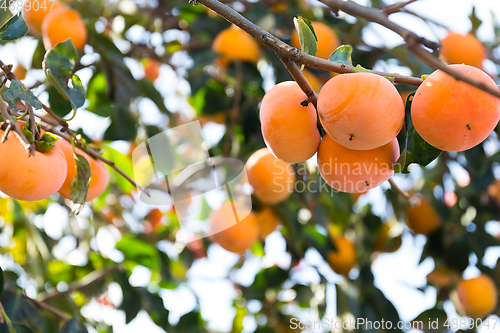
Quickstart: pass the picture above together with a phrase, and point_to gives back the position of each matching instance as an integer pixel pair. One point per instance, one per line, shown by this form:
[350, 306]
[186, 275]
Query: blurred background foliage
[74, 266]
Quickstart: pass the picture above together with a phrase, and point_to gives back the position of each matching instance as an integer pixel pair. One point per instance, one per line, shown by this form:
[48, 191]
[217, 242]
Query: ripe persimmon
[268, 221]
[99, 174]
[452, 115]
[361, 110]
[327, 43]
[30, 178]
[384, 242]
[477, 297]
[62, 24]
[234, 227]
[355, 171]
[34, 15]
[234, 43]
[462, 49]
[343, 259]
[313, 80]
[20, 71]
[151, 69]
[272, 179]
[423, 218]
[289, 123]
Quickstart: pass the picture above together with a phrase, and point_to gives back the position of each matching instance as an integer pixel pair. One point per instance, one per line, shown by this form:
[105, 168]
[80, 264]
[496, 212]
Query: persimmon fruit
[272, 180]
[478, 297]
[462, 49]
[234, 227]
[452, 115]
[234, 43]
[289, 123]
[268, 221]
[327, 42]
[344, 258]
[423, 218]
[30, 178]
[151, 69]
[62, 24]
[361, 110]
[35, 16]
[99, 174]
[355, 171]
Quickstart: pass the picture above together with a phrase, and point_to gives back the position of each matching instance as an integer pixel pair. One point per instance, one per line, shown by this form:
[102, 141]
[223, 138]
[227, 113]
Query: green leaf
[416, 149]
[138, 251]
[342, 55]
[72, 326]
[148, 90]
[80, 184]
[153, 304]
[124, 162]
[17, 90]
[360, 69]
[1, 281]
[37, 59]
[58, 103]
[22, 328]
[131, 302]
[307, 36]
[46, 143]
[58, 65]
[475, 21]
[14, 28]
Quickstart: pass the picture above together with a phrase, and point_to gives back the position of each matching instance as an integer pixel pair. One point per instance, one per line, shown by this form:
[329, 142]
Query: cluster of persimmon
[32, 178]
[56, 23]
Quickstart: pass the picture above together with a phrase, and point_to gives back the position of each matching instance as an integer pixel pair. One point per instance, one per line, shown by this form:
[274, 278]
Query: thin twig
[4, 110]
[413, 41]
[6, 133]
[86, 281]
[407, 196]
[423, 18]
[235, 111]
[33, 127]
[286, 51]
[67, 136]
[396, 7]
[301, 80]
[47, 307]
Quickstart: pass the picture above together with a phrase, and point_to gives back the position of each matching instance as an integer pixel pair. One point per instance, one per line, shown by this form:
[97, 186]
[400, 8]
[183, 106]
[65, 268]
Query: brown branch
[413, 41]
[4, 110]
[301, 80]
[35, 135]
[67, 136]
[47, 307]
[86, 281]
[407, 196]
[286, 51]
[396, 7]
[235, 111]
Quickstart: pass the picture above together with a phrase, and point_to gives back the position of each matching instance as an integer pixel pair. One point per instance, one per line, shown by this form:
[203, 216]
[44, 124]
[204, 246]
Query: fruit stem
[407, 196]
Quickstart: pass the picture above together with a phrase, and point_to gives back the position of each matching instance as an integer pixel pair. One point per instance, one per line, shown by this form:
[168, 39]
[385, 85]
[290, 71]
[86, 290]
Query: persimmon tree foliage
[294, 86]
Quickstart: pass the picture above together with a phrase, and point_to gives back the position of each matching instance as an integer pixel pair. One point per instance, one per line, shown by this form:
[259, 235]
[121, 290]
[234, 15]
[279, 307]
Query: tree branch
[86, 281]
[50, 128]
[286, 51]
[65, 128]
[413, 41]
[396, 7]
[235, 111]
[301, 80]
[407, 196]
[47, 307]
[4, 110]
